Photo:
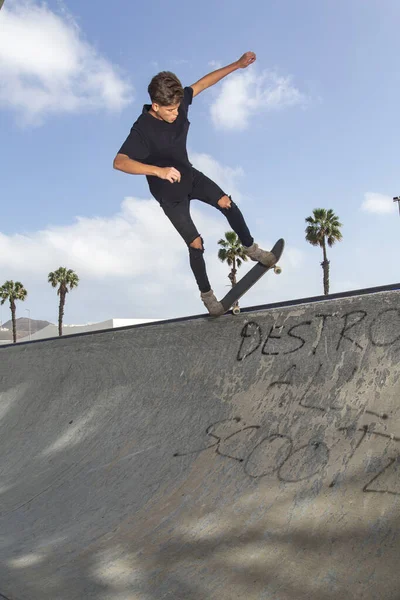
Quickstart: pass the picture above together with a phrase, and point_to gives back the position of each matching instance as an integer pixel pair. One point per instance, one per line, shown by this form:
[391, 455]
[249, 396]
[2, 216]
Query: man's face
[166, 113]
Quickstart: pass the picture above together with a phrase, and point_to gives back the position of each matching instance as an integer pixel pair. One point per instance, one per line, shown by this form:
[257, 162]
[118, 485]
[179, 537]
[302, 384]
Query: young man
[156, 147]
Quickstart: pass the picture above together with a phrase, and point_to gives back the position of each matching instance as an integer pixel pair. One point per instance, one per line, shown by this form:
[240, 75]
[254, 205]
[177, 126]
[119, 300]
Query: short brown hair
[165, 89]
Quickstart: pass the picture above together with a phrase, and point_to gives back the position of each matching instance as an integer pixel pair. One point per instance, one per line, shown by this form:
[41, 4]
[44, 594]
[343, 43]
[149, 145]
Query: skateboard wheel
[277, 270]
[236, 310]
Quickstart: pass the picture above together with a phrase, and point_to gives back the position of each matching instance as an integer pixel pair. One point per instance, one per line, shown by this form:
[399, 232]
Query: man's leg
[179, 215]
[235, 219]
[198, 265]
[207, 191]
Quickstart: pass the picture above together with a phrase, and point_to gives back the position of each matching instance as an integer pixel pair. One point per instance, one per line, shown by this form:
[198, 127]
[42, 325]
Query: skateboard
[248, 280]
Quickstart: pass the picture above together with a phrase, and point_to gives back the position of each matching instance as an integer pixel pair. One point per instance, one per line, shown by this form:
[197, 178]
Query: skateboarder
[156, 147]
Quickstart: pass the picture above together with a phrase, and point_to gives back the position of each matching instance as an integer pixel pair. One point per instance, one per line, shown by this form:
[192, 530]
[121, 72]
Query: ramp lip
[282, 304]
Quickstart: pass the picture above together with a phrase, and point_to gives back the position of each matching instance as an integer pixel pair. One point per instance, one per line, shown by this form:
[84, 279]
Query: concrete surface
[252, 457]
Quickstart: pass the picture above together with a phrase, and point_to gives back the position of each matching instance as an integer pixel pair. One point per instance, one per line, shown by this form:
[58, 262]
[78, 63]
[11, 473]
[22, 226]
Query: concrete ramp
[252, 457]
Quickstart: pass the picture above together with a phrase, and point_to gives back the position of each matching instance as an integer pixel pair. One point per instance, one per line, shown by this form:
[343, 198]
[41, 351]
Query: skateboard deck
[251, 277]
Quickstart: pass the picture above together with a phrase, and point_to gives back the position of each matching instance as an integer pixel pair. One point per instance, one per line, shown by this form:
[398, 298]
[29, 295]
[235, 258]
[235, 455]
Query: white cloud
[133, 264]
[378, 204]
[46, 66]
[129, 244]
[245, 93]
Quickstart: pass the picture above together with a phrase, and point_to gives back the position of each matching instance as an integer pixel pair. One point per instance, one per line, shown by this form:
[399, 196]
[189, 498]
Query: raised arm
[208, 80]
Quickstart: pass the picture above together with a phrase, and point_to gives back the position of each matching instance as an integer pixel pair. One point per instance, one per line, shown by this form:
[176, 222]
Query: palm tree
[232, 252]
[64, 279]
[13, 291]
[323, 228]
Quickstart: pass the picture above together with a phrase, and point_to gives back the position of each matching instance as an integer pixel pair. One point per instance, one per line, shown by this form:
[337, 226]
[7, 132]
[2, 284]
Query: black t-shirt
[155, 142]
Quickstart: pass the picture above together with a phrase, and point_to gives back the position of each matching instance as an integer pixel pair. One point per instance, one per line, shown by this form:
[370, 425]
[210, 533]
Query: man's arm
[136, 146]
[122, 162]
[212, 78]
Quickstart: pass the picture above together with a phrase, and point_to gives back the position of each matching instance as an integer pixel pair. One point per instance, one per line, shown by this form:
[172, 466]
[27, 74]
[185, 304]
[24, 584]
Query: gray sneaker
[263, 256]
[214, 307]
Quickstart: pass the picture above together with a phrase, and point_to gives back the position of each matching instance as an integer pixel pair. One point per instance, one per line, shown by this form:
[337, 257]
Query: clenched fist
[247, 59]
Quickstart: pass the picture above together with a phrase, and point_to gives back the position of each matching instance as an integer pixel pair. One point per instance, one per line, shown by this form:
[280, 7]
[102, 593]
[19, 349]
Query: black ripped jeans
[205, 190]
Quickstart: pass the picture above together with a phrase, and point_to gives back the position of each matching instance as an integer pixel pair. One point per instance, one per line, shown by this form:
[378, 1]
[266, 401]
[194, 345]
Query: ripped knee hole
[198, 245]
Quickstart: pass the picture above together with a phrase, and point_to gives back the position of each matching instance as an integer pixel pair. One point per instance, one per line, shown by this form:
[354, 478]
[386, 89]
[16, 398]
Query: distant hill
[23, 327]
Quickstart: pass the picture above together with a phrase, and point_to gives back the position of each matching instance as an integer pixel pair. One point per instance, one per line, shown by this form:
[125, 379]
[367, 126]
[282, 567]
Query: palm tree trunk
[232, 274]
[325, 268]
[61, 312]
[14, 321]
[232, 277]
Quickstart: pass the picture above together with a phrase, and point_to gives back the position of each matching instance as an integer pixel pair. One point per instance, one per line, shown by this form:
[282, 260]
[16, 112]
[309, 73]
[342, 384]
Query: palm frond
[63, 277]
[323, 226]
[12, 291]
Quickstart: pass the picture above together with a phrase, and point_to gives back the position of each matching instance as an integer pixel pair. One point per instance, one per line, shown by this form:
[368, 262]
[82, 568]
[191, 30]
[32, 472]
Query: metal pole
[397, 199]
[29, 322]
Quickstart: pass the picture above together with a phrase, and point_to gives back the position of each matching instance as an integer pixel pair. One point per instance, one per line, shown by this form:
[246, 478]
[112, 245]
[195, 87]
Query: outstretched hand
[247, 59]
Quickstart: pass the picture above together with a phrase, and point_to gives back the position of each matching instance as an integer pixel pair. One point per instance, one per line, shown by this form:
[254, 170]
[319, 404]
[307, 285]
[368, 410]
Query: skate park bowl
[253, 456]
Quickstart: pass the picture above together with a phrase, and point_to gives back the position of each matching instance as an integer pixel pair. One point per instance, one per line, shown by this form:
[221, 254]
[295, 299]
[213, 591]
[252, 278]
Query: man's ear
[155, 106]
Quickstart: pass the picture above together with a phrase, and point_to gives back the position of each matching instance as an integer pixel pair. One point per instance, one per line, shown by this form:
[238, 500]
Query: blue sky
[313, 123]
